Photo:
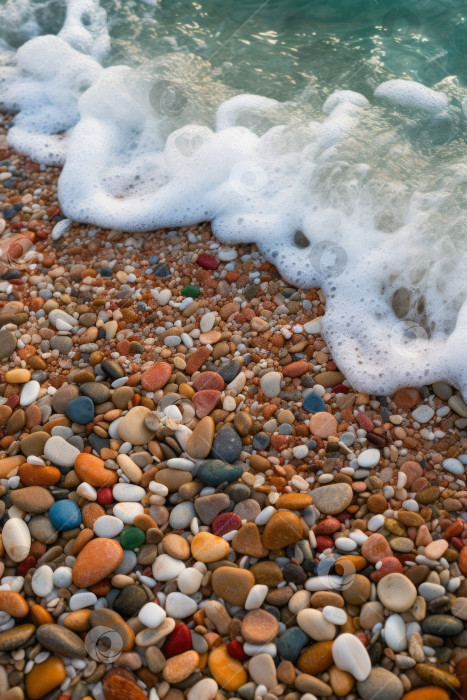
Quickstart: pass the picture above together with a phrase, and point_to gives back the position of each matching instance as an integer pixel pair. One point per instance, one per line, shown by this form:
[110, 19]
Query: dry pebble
[199, 478]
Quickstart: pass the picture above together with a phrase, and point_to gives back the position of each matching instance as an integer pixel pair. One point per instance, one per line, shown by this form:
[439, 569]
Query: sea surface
[333, 135]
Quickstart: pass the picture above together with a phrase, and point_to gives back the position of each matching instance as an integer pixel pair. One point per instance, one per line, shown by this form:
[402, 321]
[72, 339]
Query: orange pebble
[35, 475]
[427, 693]
[92, 470]
[44, 677]
[13, 603]
[78, 621]
[96, 561]
[40, 616]
[178, 668]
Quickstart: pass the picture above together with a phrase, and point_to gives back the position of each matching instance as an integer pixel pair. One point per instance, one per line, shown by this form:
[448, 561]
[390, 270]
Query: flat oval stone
[180, 667]
[61, 640]
[91, 469]
[16, 539]
[396, 592]
[98, 559]
[379, 682]
[32, 499]
[442, 625]
[13, 604]
[16, 637]
[333, 498]
[316, 659]
[232, 585]
[44, 677]
[199, 442]
[227, 445]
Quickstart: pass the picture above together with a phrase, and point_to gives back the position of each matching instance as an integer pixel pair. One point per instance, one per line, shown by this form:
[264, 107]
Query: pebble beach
[195, 504]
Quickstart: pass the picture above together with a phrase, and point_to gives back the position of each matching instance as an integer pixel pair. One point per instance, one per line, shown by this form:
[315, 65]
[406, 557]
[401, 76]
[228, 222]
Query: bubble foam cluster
[364, 196]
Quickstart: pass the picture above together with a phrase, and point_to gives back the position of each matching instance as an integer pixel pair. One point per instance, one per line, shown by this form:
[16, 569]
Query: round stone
[396, 592]
[323, 424]
[80, 410]
[333, 498]
[132, 538]
[259, 627]
[65, 515]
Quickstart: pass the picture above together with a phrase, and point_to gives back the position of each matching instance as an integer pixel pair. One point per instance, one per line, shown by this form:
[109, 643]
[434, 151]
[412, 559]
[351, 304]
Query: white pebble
[151, 615]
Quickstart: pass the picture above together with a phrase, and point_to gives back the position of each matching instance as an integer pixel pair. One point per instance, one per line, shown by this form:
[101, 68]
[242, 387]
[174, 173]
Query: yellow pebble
[207, 547]
[228, 672]
[18, 376]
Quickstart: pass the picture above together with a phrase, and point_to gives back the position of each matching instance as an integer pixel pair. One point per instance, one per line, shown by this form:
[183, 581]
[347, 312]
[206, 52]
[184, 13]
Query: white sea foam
[363, 196]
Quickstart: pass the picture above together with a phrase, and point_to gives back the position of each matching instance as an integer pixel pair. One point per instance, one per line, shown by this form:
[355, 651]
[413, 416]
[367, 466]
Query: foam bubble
[363, 197]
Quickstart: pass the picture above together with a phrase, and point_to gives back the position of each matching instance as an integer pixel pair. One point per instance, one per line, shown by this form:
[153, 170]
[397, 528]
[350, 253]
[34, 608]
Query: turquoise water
[278, 48]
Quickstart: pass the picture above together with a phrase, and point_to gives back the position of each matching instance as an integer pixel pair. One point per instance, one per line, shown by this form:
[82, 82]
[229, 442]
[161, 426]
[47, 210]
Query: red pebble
[327, 526]
[364, 422]
[208, 262]
[342, 517]
[340, 389]
[389, 565]
[208, 380]
[12, 401]
[205, 401]
[236, 650]
[454, 529]
[178, 641]
[23, 568]
[364, 637]
[225, 522]
[104, 496]
[457, 543]
[324, 542]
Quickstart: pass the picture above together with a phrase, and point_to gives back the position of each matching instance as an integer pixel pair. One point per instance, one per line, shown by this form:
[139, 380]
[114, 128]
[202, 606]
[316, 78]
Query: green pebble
[190, 291]
[132, 537]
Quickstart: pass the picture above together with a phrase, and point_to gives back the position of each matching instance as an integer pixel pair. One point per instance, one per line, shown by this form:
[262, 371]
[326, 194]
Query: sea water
[333, 135]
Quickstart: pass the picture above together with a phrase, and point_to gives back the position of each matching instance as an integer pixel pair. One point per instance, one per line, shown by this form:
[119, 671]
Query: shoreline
[124, 302]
